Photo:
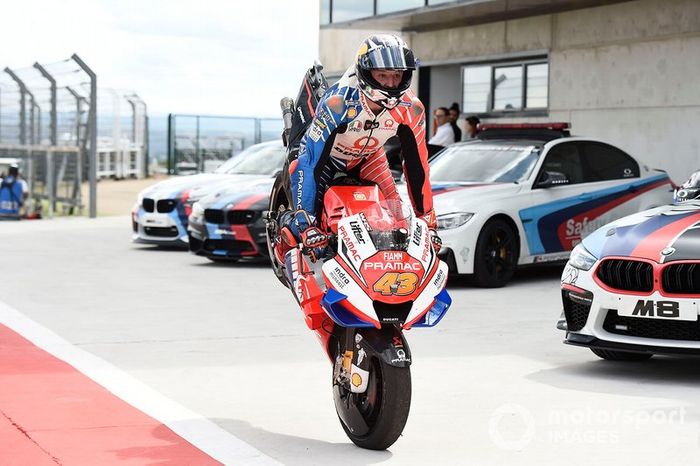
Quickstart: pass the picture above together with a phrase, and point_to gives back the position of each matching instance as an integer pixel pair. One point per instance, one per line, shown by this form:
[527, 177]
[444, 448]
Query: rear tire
[279, 202]
[620, 355]
[384, 406]
[496, 254]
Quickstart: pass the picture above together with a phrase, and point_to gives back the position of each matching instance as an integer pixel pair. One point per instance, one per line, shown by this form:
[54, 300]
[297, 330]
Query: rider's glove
[435, 240]
[315, 242]
[313, 237]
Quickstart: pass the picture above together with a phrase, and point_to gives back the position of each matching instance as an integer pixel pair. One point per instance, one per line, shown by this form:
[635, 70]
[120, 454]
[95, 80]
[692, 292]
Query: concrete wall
[338, 47]
[628, 73]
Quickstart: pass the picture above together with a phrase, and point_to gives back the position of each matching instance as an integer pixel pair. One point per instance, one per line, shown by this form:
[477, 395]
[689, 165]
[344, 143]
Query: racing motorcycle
[378, 277]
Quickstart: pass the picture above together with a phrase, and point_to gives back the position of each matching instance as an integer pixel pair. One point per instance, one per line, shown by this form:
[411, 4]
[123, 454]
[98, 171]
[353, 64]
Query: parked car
[228, 225]
[631, 289]
[161, 211]
[524, 194]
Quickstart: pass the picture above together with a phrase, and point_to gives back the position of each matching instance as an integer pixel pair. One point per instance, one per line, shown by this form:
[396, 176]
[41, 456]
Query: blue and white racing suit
[346, 136]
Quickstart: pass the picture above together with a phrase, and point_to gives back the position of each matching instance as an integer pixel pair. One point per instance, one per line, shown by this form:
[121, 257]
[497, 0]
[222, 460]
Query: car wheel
[620, 355]
[496, 254]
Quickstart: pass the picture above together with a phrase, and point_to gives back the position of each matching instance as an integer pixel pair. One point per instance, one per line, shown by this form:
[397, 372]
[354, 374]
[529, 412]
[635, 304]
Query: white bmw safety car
[529, 193]
[631, 289]
[161, 211]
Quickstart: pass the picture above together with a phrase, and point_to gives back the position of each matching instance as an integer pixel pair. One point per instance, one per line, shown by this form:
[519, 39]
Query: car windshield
[486, 163]
[260, 159]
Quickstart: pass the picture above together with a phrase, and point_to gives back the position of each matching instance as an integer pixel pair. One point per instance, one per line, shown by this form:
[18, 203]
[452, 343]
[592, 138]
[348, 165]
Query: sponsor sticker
[315, 133]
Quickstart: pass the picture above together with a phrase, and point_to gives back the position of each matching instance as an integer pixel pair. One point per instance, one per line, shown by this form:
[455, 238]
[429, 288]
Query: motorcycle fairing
[436, 312]
[352, 276]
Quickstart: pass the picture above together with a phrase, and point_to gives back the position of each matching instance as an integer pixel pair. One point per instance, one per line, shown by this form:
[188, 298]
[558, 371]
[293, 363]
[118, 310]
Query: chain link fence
[200, 143]
[61, 130]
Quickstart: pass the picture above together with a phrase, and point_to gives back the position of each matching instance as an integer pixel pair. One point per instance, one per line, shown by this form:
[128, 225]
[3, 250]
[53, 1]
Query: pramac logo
[366, 142]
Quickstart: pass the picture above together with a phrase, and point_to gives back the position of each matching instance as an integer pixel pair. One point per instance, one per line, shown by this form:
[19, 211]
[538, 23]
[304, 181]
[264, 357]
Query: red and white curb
[43, 377]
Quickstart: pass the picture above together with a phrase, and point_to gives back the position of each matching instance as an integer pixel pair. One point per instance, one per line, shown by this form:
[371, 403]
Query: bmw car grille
[576, 309]
[652, 328]
[148, 204]
[681, 278]
[241, 217]
[214, 216]
[165, 206]
[232, 217]
[629, 275]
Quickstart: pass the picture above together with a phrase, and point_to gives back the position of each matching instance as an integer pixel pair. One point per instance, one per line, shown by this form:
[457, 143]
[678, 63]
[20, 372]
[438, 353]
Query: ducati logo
[369, 124]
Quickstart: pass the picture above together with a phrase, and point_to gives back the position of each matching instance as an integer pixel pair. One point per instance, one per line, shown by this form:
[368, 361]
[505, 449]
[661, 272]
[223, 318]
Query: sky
[180, 56]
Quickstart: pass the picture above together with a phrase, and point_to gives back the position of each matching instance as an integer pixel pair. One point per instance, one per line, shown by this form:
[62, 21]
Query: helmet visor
[388, 58]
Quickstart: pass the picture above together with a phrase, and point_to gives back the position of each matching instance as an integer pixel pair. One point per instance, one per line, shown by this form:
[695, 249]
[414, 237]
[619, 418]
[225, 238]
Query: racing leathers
[346, 136]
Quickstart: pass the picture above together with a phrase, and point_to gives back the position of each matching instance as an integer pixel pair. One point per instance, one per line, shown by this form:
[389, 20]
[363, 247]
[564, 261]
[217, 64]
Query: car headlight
[197, 211]
[454, 220]
[581, 258]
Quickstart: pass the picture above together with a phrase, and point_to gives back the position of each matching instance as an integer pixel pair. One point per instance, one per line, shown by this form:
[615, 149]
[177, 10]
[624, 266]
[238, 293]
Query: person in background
[454, 116]
[444, 136]
[472, 126]
[13, 192]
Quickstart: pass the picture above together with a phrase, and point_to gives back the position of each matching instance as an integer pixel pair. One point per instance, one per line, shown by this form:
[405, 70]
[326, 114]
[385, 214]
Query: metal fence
[52, 109]
[200, 143]
[53, 174]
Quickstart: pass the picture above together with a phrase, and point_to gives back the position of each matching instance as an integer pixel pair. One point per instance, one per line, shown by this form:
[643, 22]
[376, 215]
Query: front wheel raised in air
[496, 254]
[375, 419]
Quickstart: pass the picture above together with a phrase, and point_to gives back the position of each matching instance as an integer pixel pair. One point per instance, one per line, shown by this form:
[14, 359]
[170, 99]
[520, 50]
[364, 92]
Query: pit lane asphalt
[492, 383]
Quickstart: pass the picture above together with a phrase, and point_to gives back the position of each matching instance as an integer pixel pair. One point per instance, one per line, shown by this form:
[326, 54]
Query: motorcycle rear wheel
[278, 202]
[384, 406]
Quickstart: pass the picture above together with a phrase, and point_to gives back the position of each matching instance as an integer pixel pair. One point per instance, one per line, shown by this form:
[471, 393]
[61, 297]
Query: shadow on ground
[291, 449]
[644, 378]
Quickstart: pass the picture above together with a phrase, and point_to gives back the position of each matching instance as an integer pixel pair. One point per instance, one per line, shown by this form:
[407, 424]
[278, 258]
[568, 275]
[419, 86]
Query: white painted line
[199, 431]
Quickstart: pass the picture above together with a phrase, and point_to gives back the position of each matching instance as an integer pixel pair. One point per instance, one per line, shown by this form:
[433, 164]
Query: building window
[325, 12]
[477, 89]
[504, 87]
[537, 85]
[507, 87]
[390, 6]
[347, 10]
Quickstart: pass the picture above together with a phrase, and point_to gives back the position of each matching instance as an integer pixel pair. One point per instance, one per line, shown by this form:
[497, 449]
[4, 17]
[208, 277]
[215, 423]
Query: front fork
[358, 347]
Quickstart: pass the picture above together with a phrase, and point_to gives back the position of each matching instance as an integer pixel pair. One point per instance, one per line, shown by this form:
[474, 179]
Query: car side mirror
[549, 179]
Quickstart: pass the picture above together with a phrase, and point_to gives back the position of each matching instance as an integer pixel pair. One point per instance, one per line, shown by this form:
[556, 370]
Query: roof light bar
[558, 126]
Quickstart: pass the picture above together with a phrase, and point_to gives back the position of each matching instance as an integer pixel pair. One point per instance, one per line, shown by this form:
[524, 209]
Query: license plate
[657, 308]
[155, 220]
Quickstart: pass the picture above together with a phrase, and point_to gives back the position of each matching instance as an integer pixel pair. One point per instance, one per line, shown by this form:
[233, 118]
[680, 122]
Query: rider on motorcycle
[369, 104]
